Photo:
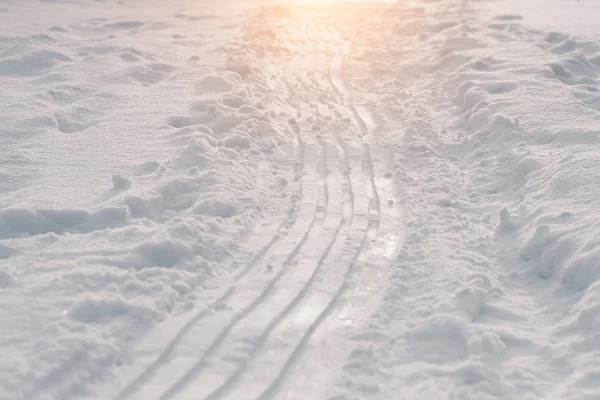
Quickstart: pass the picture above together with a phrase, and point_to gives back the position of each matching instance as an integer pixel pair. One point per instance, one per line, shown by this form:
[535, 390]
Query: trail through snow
[299, 200]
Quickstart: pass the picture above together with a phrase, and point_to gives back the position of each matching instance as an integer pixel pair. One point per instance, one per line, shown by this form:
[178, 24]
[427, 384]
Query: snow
[300, 200]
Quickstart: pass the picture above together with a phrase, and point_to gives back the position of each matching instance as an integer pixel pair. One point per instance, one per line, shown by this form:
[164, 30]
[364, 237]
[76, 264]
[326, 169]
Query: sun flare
[317, 3]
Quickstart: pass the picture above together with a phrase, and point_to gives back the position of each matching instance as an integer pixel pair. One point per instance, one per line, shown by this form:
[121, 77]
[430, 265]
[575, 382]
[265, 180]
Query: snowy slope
[300, 200]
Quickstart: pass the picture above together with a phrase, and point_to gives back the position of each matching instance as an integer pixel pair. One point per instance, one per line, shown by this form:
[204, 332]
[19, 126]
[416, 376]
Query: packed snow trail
[288, 293]
[299, 200]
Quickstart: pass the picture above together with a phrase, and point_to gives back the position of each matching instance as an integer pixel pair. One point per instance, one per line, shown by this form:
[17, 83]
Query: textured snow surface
[300, 200]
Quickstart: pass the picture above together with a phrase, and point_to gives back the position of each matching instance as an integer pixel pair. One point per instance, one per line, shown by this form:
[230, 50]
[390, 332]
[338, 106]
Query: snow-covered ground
[300, 200]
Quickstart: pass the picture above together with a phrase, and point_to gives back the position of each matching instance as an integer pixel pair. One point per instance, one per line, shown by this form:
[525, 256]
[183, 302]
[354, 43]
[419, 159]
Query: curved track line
[319, 301]
[371, 279]
[330, 296]
[290, 337]
[364, 280]
[290, 290]
[367, 164]
[316, 295]
[293, 360]
[255, 299]
[374, 202]
[369, 245]
[282, 230]
[302, 223]
[335, 245]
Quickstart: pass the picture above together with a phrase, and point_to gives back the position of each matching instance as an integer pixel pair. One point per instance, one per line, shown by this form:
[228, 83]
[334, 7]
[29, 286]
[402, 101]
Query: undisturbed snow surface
[252, 200]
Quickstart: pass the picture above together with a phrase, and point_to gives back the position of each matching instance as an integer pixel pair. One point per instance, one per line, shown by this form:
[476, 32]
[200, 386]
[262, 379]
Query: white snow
[300, 200]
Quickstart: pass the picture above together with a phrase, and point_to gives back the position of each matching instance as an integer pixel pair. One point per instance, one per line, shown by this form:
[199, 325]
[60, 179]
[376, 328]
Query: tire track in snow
[282, 231]
[318, 217]
[386, 233]
[253, 293]
[374, 202]
[322, 304]
[365, 279]
[247, 370]
[236, 356]
[364, 283]
[168, 352]
[372, 242]
[365, 123]
[334, 243]
[290, 338]
[321, 361]
[311, 198]
[295, 330]
[275, 303]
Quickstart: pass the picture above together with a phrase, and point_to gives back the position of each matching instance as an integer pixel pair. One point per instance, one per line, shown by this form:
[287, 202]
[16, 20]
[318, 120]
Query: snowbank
[130, 172]
[495, 126]
[16, 222]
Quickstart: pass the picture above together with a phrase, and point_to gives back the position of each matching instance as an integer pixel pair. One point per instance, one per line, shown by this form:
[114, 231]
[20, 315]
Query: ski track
[249, 366]
[194, 385]
[290, 338]
[363, 282]
[281, 294]
[282, 230]
[248, 293]
[289, 230]
[254, 339]
[276, 359]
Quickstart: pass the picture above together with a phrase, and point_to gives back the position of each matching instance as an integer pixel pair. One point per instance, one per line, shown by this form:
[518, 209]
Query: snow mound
[5, 280]
[215, 206]
[6, 251]
[84, 95]
[214, 84]
[35, 62]
[20, 222]
[583, 269]
[103, 310]
[163, 253]
[145, 206]
[120, 182]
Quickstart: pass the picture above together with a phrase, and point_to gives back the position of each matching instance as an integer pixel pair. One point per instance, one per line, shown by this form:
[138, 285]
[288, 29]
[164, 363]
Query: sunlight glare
[329, 2]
